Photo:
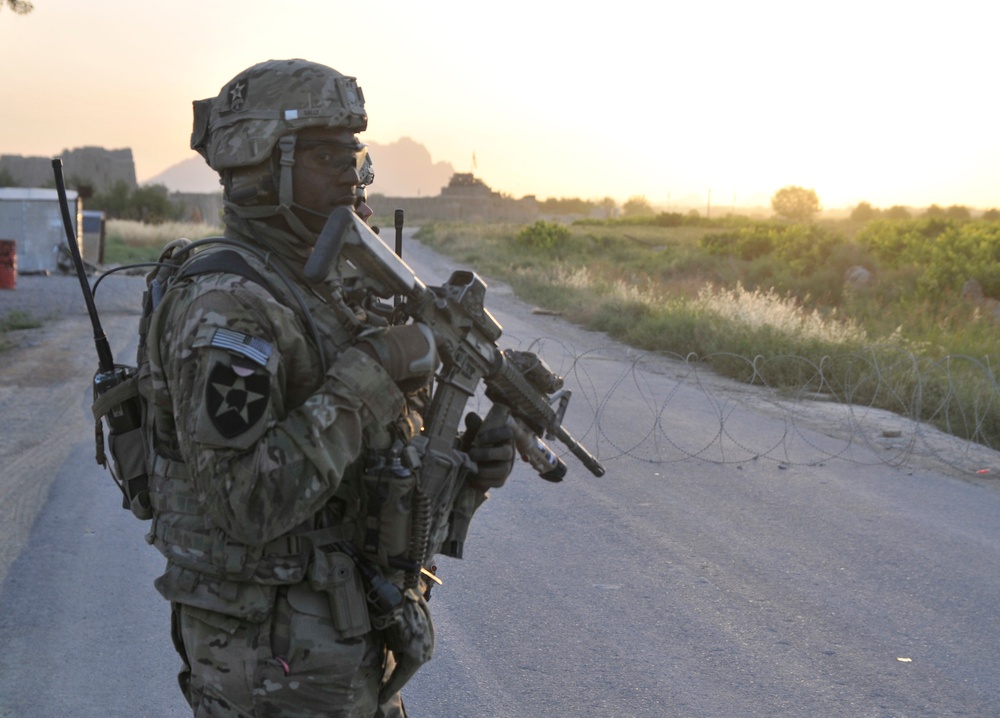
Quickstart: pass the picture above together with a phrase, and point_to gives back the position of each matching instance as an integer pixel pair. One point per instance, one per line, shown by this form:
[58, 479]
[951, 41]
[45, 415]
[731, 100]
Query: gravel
[60, 296]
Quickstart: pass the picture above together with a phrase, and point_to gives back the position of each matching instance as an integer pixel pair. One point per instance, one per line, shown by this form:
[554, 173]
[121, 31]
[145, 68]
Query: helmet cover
[267, 101]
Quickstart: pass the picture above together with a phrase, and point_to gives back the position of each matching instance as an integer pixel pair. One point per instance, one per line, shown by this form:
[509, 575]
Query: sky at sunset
[886, 102]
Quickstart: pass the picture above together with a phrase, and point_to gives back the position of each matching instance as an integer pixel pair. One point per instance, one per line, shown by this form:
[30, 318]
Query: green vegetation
[13, 320]
[767, 301]
[763, 301]
[7, 179]
[543, 235]
[637, 206]
[149, 204]
[795, 203]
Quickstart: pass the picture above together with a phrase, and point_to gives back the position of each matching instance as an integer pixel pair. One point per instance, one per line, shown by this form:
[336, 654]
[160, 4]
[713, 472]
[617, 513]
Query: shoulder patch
[254, 348]
[236, 399]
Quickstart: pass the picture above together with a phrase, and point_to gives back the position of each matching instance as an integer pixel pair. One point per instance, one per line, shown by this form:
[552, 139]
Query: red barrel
[8, 264]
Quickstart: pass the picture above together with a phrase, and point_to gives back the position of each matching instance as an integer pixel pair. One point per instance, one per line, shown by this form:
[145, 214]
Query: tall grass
[130, 241]
[755, 317]
[759, 302]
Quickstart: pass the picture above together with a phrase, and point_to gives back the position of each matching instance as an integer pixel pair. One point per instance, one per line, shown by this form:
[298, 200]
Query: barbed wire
[637, 405]
[884, 409]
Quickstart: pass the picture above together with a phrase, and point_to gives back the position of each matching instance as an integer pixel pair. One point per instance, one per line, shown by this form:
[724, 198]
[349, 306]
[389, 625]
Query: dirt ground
[45, 378]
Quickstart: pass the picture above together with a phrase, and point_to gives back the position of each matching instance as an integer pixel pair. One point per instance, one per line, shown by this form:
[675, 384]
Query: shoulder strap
[225, 261]
[232, 261]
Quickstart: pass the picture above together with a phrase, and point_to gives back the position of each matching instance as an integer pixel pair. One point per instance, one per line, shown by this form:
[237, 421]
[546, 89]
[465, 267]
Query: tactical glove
[491, 445]
[407, 353]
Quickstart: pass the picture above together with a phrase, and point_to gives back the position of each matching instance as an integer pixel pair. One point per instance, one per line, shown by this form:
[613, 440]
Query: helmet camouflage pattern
[267, 101]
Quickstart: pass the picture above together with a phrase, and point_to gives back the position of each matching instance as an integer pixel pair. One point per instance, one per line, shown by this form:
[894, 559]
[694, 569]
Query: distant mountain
[403, 168]
[191, 175]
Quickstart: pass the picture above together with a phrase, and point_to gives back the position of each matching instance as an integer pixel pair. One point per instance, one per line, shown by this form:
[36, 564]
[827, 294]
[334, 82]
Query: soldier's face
[325, 175]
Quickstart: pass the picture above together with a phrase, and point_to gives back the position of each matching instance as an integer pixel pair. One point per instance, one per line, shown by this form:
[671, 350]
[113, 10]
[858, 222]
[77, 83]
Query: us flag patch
[253, 348]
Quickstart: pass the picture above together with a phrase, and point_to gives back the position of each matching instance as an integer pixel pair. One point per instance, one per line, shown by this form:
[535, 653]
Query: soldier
[273, 404]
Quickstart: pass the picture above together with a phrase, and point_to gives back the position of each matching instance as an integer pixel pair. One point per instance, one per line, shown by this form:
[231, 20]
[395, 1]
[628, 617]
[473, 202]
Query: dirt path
[44, 389]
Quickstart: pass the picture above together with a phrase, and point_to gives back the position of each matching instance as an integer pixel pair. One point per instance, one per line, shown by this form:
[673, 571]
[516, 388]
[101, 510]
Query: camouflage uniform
[256, 482]
[256, 469]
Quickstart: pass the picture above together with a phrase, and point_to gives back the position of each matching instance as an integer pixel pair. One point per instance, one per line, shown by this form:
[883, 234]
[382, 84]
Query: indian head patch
[236, 398]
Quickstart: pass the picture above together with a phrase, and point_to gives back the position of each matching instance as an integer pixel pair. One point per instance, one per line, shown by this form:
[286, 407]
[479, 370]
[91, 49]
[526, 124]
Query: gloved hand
[406, 352]
[490, 444]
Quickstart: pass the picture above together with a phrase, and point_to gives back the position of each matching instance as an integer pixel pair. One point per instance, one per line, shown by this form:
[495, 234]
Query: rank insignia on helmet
[236, 400]
[237, 95]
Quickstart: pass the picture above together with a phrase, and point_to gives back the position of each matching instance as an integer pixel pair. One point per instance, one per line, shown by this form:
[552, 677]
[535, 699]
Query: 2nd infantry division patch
[236, 398]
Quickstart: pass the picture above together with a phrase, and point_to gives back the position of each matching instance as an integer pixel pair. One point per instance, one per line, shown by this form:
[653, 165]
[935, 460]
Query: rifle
[520, 385]
[466, 335]
[116, 396]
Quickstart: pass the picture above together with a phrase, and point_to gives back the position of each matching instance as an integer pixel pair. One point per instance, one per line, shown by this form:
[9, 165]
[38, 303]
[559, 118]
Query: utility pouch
[117, 402]
[411, 640]
[442, 480]
[335, 575]
[387, 512]
[468, 500]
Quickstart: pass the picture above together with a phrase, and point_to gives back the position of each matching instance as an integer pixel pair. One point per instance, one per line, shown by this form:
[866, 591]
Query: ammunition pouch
[468, 500]
[442, 481]
[385, 521]
[249, 601]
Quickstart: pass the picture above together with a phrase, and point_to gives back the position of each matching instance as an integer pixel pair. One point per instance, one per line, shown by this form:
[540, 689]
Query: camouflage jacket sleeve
[236, 368]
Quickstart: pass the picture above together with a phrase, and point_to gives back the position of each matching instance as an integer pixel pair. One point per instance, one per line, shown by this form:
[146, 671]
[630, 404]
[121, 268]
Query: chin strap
[286, 160]
[285, 163]
[286, 203]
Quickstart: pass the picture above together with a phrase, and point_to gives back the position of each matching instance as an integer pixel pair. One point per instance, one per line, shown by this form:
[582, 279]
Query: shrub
[670, 219]
[802, 247]
[864, 212]
[746, 243]
[543, 235]
[948, 251]
[149, 204]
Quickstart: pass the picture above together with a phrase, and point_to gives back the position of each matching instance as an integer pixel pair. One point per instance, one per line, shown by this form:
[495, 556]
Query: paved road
[811, 580]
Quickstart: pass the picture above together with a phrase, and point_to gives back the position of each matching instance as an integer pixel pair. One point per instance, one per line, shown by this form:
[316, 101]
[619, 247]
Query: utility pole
[708, 209]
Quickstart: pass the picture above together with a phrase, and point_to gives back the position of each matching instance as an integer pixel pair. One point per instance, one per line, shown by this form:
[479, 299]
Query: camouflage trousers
[288, 666]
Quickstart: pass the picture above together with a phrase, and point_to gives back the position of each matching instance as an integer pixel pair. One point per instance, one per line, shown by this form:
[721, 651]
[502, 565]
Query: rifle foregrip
[508, 386]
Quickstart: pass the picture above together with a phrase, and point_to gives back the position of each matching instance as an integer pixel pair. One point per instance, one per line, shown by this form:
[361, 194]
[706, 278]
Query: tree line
[150, 203]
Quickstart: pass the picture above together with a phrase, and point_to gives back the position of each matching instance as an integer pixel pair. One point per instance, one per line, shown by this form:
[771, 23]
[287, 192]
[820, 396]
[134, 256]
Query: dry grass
[785, 315]
[130, 241]
[138, 234]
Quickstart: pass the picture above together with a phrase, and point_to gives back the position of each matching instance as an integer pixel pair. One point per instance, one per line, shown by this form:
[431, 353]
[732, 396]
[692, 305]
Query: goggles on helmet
[332, 156]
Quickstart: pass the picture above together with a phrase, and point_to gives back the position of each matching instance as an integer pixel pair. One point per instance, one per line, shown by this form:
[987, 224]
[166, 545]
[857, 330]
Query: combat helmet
[262, 109]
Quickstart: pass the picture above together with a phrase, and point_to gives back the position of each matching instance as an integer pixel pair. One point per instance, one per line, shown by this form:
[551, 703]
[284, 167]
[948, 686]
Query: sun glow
[723, 103]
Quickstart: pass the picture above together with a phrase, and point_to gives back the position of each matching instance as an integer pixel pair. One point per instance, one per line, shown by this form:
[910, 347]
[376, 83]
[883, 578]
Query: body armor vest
[200, 554]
